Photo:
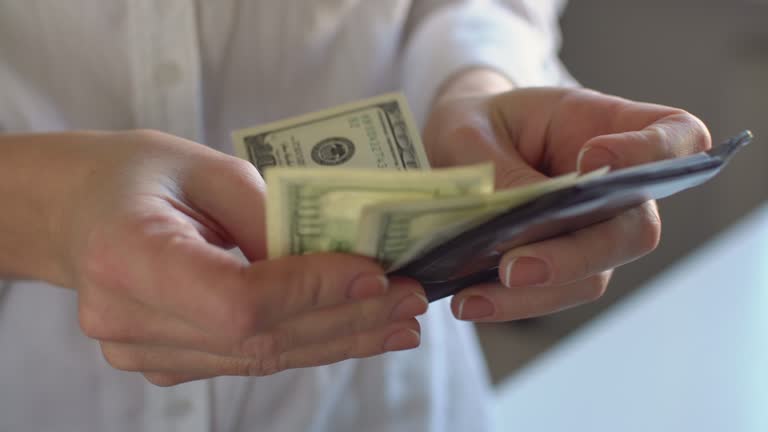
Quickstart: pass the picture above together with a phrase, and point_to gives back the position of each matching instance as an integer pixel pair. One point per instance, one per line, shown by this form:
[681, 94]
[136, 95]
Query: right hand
[144, 239]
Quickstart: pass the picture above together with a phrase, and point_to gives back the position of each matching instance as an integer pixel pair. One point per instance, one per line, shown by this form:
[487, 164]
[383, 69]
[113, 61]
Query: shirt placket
[183, 408]
[166, 67]
[167, 95]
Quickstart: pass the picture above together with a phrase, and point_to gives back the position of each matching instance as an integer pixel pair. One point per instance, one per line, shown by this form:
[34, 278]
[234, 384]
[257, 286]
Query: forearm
[475, 81]
[37, 176]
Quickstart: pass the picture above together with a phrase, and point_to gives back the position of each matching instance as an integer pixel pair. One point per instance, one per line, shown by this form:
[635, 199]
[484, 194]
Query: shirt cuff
[478, 35]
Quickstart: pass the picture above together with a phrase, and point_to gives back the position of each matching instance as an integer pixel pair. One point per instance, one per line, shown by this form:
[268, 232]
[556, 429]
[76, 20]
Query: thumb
[293, 285]
[677, 134]
[232, 192]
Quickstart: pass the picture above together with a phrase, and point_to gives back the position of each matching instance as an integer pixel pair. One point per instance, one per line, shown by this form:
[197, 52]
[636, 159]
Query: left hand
[536, 133]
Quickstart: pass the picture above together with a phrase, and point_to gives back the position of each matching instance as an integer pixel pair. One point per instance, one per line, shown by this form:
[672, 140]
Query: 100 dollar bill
[396, 233]
[374, 133]
[365, 207]
[315, 210]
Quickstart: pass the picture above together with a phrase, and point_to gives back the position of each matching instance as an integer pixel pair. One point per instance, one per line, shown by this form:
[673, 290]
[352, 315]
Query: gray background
[709, 57]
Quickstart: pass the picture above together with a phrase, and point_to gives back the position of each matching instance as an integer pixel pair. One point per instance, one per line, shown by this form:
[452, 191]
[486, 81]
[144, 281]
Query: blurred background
[709, 57]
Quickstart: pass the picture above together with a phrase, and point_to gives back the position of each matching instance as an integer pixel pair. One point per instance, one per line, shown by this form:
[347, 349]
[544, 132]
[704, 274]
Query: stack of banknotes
[356, 179]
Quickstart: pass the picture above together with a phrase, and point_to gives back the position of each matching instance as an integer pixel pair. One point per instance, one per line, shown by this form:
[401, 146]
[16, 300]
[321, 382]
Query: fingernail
[413, 305]
[475, 307]
[526, 271]
[367, 286]
[592, 158]
[402, 340]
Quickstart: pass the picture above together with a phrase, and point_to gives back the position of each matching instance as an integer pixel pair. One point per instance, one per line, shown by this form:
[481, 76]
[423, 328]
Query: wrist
[460, 106]
[38, 176]
[473, 82]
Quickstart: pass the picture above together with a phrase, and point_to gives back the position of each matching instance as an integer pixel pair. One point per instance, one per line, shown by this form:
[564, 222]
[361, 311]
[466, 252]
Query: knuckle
[262, 345]
[243, 175]
[163, 380]
[363, 316]
[147, 133]
[323, 281]
[92, 322]
[281, 341]
[155, 230]
[103, 262]
[597, 286]
[150, 135]
[267, 353]
[165, 234]
[120, 358]
[233, 366]
[693, 133]
[702, 139]
[368, 315]
[576, 265]
[659, 142]
[638, 232]
[649, 229]
[354, 347]
[304, 290]
[242, 170]
[380, 311]
[358, 322]
[268, 365]
[311, 286]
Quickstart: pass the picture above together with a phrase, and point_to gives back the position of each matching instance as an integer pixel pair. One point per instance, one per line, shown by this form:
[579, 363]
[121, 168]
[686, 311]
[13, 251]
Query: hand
[532, 134]
[144, 238]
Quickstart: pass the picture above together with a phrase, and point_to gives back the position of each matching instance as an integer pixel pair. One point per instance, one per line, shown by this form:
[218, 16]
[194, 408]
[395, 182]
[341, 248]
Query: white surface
[688, 352]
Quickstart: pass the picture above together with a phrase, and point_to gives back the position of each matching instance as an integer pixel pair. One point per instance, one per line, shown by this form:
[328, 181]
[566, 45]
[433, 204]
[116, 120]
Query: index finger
[556, 126]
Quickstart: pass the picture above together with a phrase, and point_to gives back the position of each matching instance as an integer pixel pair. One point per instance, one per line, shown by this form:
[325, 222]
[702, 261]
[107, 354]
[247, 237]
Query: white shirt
[199, 70]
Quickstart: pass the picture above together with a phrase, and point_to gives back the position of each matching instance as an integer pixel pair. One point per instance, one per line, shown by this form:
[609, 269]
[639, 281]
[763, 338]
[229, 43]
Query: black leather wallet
[473, 256]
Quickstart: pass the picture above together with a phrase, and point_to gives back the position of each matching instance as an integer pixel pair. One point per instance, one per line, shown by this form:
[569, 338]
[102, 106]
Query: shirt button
[167, 74]
[178, 407]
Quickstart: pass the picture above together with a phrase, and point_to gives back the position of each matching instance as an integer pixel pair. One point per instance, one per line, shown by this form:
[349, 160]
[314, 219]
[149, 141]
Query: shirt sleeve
[518, 38]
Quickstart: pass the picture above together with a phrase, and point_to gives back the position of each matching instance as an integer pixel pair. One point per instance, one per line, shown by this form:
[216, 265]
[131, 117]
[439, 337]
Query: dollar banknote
[356, 179]
[394, 233]
[314, 210]
[375, 133]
